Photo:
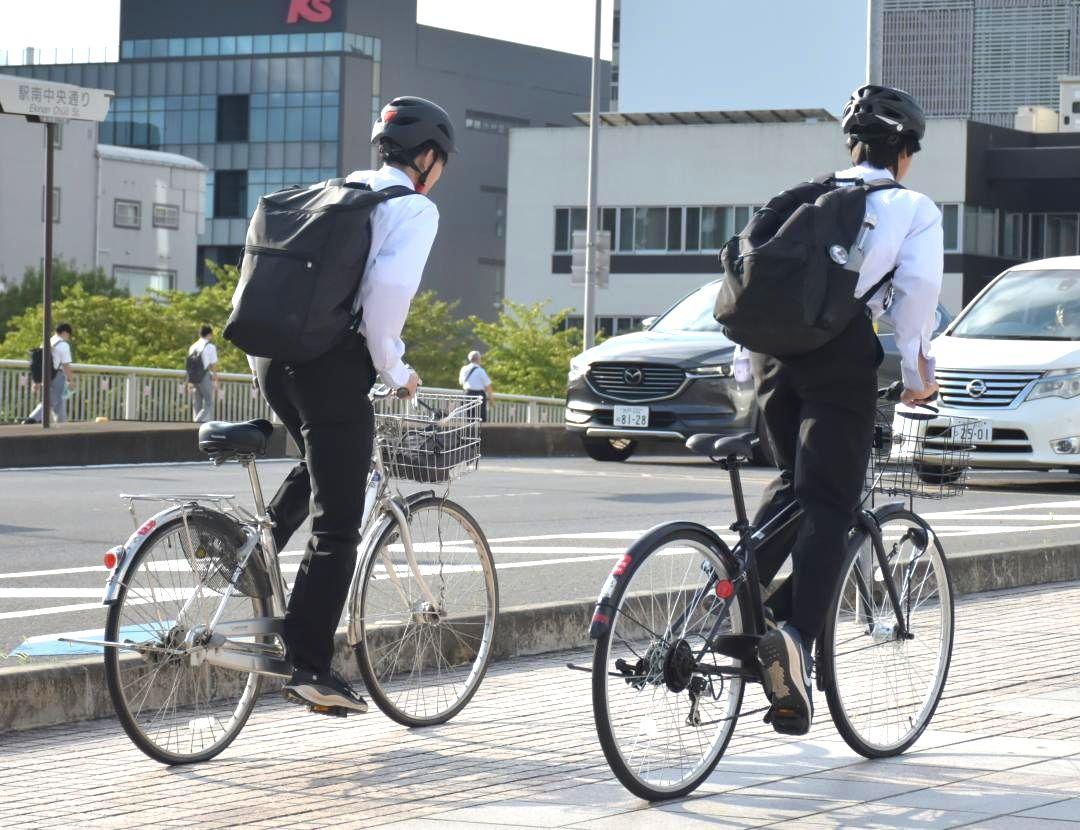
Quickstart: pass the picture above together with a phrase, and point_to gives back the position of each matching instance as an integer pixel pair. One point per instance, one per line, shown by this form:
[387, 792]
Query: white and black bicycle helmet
[880, 113]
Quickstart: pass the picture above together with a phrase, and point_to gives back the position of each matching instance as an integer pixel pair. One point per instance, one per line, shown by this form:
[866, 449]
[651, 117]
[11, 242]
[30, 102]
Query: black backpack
[304, 257]
[790, 276]
[194, 367]
[37, 366]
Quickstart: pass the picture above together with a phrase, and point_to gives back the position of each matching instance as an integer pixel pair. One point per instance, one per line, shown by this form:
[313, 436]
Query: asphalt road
[555, 524]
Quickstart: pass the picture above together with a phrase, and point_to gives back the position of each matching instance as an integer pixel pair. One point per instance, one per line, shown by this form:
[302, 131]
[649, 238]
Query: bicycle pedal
[332, 711]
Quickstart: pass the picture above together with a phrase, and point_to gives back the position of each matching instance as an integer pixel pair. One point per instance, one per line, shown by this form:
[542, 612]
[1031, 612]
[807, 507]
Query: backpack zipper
[262, 249]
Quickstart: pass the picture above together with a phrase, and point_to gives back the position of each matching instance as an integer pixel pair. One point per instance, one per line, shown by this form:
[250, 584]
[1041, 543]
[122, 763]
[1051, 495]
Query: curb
[60, 693]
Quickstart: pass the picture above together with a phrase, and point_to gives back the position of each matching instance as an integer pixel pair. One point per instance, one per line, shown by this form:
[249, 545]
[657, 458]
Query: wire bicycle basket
[435, 440]
[920, 454]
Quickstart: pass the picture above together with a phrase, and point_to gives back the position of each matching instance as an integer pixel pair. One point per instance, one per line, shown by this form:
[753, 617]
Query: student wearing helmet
[819, 407]
[324, 402]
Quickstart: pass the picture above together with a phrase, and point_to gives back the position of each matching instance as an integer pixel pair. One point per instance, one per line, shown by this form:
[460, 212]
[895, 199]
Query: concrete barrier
[42, 695]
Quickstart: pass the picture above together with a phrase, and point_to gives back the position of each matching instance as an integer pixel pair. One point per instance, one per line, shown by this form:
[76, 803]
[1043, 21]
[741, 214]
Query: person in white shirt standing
[473, 378]
[202, 372]
[819, 407]
[63, 377]
[324, 402]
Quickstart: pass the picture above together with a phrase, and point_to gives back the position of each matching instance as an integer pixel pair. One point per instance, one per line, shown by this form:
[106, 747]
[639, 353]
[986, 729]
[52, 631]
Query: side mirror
[648, 321]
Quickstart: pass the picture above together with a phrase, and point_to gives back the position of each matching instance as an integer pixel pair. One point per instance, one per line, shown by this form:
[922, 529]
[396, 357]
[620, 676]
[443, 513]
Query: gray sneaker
[326, 693]
[785, 663]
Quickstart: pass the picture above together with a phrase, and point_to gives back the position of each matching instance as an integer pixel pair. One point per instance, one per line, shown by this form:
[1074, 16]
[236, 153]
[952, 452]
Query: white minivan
[1011, 359]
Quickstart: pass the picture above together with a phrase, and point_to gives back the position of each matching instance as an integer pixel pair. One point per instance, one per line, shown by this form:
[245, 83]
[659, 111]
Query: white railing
[128, 393]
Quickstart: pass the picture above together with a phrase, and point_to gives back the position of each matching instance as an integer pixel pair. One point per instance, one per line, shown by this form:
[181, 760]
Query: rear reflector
[724, 589]
[111, 559]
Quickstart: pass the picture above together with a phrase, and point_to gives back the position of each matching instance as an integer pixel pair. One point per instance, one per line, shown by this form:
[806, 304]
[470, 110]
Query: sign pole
[590, 210]
[46, 280]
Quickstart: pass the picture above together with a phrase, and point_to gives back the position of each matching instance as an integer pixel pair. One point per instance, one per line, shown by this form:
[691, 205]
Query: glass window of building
[650, 229]
[674, 233]
[127, 214]
[167, 216]
[950, 225]
[230, 193]
[1012, 242]
[693, 228]
[232, 118]
[141, 281]
[1061, 234]
[626, 230]
[714, 227]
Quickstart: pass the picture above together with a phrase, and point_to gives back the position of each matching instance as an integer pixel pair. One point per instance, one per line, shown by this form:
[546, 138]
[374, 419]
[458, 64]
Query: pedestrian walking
[473, 378]
[202, 374]
[62, 379]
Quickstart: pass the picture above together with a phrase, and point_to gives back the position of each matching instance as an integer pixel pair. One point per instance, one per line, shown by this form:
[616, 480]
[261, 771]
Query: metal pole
[590, 210]
[46, 281]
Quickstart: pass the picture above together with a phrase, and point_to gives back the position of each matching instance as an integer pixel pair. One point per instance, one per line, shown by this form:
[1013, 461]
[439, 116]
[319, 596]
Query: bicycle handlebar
[893, 391]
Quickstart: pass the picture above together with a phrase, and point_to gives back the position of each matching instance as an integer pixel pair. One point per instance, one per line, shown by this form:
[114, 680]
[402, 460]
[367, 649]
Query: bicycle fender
[887, 511]
[628, 563]
[125, 553]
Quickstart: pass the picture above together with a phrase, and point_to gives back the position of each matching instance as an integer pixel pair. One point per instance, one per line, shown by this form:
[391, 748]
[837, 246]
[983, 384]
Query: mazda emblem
[633, 377]
[977, 388]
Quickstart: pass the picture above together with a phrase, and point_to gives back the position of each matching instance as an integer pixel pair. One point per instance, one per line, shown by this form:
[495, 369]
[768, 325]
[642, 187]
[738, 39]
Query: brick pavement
[1003, 752]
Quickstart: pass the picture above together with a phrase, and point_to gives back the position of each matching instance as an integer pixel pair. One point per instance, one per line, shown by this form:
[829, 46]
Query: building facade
[136, 214]
[975, 59]
[672, 193]
[284, 92]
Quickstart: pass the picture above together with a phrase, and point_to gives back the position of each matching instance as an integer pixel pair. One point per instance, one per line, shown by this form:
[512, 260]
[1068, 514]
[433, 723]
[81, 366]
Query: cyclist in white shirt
[473, 378]
[208, 386]
[62, 380]
[819, 407]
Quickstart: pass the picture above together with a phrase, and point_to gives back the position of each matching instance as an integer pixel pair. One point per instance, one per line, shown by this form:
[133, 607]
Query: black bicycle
[678, 620]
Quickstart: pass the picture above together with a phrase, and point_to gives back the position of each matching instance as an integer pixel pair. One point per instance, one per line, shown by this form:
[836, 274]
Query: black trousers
[325, 407]
[819, 414]
[479, 393]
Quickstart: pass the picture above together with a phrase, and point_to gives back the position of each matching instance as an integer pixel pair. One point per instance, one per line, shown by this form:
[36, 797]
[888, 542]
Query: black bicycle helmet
[874, 113]
[409, 122]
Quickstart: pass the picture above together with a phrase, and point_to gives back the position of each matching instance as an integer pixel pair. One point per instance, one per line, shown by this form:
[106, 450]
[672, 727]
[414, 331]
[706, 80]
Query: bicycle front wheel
[176, 708]
[888, 639]
[663, 707]
[427, 624]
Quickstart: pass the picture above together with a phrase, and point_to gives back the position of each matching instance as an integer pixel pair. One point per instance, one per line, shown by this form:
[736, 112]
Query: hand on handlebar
[409, 389]
[919, 397]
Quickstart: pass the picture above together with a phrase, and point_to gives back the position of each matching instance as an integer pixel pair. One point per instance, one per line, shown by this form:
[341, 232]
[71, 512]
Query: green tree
[27, 294]
[153, 331]
[528, 349]
[437, 339]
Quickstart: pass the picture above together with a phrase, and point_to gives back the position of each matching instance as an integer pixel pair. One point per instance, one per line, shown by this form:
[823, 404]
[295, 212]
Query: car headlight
[578, 368]
[1057, 383]
[716, 370]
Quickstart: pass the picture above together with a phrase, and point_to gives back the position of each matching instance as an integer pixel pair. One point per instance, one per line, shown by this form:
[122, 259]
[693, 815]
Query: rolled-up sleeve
[390, 282]
[916, 286]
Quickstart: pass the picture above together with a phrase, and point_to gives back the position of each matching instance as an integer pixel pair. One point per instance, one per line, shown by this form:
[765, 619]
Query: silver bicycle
[197, 598]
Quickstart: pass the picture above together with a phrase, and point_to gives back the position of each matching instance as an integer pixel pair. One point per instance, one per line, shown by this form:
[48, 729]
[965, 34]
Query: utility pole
[47, 279]
[591, 212]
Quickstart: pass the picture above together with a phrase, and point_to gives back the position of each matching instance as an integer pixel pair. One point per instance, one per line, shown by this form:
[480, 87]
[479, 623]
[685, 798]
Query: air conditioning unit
[1034, 119]
[1070, 103]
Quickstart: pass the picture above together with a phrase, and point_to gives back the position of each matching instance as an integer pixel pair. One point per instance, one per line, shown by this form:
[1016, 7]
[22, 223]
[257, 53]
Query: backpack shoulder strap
[470, 374]
[884, 184]
[394, 191]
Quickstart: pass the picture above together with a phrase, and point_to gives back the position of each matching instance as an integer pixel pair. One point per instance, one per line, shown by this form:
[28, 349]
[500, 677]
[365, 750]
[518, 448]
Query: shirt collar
[387, 176]
[874, 173]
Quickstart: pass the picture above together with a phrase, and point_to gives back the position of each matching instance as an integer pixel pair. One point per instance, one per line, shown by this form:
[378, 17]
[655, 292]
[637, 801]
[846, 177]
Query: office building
[975, 59]
[284, 92]
[1005, 196]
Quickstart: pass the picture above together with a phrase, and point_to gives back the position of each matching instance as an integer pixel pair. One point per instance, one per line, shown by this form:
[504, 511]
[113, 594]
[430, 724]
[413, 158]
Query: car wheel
[608, 449]
[763, 452]
[938, 475]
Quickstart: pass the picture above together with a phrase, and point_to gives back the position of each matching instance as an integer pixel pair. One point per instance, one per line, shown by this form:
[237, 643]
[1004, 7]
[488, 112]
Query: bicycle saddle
[245, 437]
[722, 446]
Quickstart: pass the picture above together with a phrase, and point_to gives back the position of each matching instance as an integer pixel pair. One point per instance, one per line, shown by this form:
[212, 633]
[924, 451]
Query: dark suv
[673, 380]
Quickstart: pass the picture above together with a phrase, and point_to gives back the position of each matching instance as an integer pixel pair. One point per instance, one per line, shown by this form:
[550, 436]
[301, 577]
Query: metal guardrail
[130, 393]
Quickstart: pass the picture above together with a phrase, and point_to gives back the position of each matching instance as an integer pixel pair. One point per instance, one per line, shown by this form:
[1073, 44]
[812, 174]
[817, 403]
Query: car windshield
[692, 313]
[1026, 305]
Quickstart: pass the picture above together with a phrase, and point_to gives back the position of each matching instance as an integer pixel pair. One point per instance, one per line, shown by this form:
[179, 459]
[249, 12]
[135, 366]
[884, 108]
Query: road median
[36, 695]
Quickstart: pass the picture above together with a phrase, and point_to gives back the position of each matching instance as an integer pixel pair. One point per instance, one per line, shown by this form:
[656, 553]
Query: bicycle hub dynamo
[679, 665]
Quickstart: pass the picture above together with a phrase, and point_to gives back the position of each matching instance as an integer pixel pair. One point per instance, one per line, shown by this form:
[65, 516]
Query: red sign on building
[313, 11]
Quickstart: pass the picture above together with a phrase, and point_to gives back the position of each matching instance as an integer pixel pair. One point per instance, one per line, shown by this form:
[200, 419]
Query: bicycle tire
[605, 711]
[399, 625]
[850, 678]
[163, 553]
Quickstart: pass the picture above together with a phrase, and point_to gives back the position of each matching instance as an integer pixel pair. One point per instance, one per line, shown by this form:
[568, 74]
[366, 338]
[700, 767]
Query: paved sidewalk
[1003, 752]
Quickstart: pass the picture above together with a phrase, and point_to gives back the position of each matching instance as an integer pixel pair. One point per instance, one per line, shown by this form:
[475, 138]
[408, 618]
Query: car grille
[1001, 388]
[619, 381]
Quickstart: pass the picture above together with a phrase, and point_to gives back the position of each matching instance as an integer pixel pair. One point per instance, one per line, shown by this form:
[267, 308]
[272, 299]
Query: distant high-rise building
[977, 59]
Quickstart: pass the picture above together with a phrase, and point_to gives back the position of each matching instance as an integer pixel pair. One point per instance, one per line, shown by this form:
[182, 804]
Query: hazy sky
[565, 25]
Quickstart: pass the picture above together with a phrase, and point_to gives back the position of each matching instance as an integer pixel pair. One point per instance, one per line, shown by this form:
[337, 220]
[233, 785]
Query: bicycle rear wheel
[175, 710]
[883, 684]
[663, 713]
[424, 648]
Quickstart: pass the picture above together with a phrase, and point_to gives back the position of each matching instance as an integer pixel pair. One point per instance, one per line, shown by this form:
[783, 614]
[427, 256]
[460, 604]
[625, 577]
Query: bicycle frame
[214, 643]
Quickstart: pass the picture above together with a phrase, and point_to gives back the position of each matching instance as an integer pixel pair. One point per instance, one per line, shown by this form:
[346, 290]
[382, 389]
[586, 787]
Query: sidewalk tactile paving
[1003, 751]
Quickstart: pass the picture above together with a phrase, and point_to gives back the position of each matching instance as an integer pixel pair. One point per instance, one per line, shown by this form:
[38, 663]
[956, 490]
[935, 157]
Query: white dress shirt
[402, 233]
[908, 237]
[61, 351]
[208, 349]
[473, 378]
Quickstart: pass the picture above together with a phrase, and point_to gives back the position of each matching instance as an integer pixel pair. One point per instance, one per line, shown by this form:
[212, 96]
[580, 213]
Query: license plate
[980, 432]
[631, 416]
